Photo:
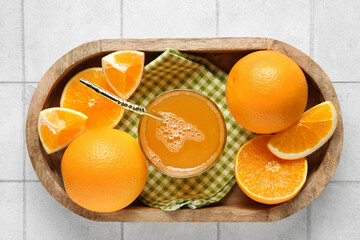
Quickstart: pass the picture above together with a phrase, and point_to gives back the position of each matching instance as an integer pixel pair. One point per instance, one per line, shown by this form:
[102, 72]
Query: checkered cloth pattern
[175, 70]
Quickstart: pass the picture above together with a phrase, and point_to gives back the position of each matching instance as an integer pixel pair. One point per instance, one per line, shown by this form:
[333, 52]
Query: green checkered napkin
[174, 70]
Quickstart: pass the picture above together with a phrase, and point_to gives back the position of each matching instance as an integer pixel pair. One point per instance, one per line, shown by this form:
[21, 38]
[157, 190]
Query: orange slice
[266, 178]
[123, 71]
[307, 135]
[59, 126]
[102, 112]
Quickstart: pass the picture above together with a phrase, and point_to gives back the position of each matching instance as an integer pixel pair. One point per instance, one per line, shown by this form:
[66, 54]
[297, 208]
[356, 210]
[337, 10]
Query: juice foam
[175, 131]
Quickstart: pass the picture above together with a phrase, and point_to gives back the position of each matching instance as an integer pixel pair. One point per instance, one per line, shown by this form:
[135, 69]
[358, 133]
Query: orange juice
[191, 138]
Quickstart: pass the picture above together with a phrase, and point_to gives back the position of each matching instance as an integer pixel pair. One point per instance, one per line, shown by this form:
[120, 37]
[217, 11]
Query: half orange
[59, 126]
[102, 112]
[266, 178]
[123, 71]
[313, 130]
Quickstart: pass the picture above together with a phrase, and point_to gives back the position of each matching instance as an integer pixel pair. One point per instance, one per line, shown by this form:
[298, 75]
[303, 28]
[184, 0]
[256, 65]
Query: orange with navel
[266, 92]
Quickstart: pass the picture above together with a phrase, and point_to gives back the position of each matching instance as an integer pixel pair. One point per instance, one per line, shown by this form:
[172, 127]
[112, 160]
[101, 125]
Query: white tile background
[35, 33]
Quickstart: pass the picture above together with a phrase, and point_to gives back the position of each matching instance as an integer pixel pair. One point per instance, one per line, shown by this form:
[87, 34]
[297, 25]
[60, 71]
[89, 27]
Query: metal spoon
[117, 100]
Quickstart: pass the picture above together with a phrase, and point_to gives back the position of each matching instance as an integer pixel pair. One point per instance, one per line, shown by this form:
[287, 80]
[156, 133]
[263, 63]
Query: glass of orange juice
[190, 140]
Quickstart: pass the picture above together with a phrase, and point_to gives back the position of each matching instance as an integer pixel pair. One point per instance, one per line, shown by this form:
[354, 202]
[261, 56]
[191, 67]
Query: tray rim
[316, 184]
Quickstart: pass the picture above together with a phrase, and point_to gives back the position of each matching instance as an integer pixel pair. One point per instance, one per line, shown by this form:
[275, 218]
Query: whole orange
[266, 92]
[104, 170]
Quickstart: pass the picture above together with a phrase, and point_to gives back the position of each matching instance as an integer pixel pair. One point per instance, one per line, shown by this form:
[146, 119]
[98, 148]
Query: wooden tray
[223, 52]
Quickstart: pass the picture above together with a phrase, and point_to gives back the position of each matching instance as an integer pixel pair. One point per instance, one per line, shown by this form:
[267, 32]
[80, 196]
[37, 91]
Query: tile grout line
[121, 18]
[344, 181]
[7, 82]
[345, 81]
[217, 17]
[122, 230]
[11, 181]
[24, 112]
[311, 56]
[18, 181]
[309, 222]
[218, 231]
[311, 28]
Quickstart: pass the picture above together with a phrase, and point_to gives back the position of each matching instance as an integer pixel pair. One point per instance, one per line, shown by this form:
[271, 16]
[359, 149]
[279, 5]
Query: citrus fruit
[102, 112]
[59, 126]
[123, 71]
[307, 135]
[266, 178]
[104, 170]
[266, 92]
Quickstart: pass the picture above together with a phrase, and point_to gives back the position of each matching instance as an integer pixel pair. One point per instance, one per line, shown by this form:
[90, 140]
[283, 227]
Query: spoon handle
[117, 100]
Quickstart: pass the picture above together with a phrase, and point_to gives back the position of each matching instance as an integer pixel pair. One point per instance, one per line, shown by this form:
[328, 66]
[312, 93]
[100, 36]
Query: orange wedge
[102, 112]
[123, 71]
[59, 126]
[266, 178]
[307, 135]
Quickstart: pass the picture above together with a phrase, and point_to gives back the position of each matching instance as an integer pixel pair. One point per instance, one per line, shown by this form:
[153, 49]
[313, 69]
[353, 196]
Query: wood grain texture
[223, 52]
